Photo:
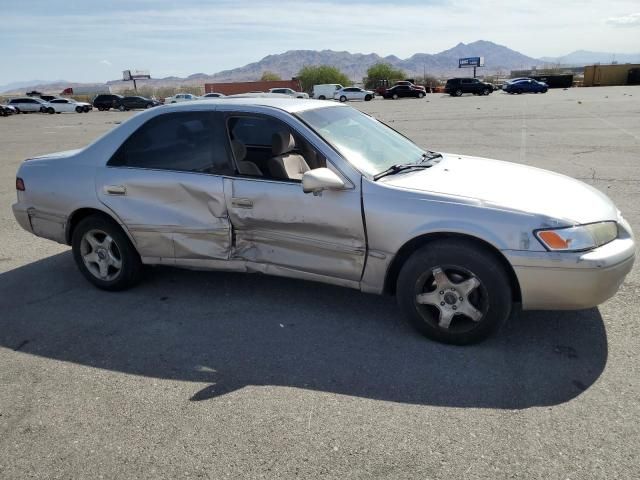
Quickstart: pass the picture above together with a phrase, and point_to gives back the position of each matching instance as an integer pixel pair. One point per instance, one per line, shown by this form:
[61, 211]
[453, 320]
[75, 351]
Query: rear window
[189, 141]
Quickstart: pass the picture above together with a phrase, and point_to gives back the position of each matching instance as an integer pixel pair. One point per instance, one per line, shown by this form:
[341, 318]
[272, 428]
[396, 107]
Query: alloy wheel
[451, 298]
[101, 255]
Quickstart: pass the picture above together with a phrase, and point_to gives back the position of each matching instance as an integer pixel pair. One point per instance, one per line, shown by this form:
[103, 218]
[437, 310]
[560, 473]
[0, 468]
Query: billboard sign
[135, 75]
[471, 62]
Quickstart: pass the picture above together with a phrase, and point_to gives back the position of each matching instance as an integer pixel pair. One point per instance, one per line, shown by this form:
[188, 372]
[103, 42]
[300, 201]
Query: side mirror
[319, 179]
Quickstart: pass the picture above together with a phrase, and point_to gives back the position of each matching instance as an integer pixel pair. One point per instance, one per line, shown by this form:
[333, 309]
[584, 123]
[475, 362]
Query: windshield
[366, 143]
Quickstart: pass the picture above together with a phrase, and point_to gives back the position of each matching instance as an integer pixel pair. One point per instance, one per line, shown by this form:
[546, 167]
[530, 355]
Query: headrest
[239, 150]
[281, 143]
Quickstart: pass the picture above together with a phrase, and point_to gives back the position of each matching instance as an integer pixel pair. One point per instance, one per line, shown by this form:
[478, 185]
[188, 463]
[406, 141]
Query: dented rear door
[165, 184]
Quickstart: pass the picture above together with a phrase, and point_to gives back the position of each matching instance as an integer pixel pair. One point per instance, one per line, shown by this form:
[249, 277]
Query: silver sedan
[323, 192]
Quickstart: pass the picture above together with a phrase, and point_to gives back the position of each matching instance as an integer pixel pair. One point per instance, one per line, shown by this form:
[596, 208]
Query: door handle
[241, 203]
[115, 190]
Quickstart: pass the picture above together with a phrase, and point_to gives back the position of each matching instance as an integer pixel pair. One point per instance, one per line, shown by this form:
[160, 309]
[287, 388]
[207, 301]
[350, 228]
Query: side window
[261, 151]
[189, 141]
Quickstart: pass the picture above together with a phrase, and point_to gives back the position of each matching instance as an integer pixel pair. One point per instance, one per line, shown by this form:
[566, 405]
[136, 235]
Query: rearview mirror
[319, 179]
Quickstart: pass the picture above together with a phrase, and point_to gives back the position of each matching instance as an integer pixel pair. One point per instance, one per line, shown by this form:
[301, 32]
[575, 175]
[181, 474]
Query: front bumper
[571, 281]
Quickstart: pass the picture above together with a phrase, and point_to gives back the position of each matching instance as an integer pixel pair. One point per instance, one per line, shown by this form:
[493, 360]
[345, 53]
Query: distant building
[232, 88]
[608, 75]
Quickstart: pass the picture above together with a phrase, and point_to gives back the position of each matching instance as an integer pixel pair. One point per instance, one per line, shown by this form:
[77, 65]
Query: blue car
[525, 85]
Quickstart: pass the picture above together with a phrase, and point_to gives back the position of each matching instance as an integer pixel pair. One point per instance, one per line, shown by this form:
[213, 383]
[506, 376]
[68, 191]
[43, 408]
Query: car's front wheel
[367, 98]
[122, 108]
[458, 93]
[486, 91]
[454, 292]
[420, 95]
[104, 254]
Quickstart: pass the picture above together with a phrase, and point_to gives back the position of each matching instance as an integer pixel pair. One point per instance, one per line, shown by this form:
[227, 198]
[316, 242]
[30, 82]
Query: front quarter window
[366, 143]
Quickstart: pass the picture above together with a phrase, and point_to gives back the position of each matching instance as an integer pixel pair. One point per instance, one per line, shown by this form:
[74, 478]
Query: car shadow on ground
[231, 330]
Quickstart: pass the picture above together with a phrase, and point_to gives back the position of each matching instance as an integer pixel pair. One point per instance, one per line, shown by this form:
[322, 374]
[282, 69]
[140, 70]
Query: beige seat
[284, 164]
[244, 167]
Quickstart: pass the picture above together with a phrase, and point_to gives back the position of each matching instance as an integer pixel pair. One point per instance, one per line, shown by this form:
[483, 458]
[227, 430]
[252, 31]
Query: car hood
[512, 186]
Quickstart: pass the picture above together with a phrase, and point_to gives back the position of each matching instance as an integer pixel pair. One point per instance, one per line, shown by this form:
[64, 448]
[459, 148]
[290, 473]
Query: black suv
[457, 86]
[107, 101]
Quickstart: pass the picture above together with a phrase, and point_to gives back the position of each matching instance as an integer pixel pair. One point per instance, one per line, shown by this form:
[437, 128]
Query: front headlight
[580, 237]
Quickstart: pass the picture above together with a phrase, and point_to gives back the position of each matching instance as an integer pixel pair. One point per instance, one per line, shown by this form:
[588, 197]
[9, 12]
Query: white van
[325, 91]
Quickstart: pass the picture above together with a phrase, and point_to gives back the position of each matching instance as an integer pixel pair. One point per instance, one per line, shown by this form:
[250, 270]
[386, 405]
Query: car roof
[284, 102]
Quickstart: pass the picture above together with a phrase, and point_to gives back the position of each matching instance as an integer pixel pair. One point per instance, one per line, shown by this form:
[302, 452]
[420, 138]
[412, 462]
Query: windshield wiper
[399, 167]
[429, 155]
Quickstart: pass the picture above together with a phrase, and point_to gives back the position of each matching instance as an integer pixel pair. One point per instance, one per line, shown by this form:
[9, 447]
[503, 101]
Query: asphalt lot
[215, 375]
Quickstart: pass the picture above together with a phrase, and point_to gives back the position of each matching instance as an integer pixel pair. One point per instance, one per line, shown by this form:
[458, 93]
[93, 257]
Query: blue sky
[94, 41]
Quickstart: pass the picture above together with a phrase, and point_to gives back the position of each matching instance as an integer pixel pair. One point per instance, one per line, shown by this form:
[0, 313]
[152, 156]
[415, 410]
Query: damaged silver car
[323, 192]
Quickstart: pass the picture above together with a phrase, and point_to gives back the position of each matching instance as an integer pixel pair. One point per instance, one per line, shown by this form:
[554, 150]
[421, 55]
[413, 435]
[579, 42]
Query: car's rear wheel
[458, 93]
[104, 254]
[454, 292]
[322, 97]
[343, 98]
[50, 111]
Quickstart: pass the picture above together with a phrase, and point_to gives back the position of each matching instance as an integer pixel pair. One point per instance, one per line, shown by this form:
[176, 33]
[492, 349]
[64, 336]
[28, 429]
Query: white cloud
[106, 62]
[631, 20]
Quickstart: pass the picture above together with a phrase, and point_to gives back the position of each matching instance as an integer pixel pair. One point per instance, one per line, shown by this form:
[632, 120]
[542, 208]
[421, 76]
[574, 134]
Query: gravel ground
[214, 375]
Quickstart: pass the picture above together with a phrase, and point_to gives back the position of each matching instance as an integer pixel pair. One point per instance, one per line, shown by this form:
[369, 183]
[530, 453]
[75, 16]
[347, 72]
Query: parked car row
[54, 105]
[336, 91]
[456, 87]
[108, 101]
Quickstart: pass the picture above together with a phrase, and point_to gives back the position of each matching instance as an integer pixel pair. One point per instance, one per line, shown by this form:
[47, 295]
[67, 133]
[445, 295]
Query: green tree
[315, 75]
[268, 76]
[382, 71]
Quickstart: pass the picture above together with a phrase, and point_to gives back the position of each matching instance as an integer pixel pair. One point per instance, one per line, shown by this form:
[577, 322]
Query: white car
[213, 95]
[353, 93]
[60, 105]
[181, 97]
[290, 92]
[29, 104]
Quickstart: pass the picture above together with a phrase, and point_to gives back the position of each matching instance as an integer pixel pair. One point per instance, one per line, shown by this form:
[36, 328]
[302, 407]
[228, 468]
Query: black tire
[100, 109]
[343, 98]
[85, 109]
[486, 91]
[79, 109]
[122, 108]
[395, 96]
[460, 260]
[50, 111]
[322, 97]
[17, 110]
[58, 113]
[130, 269]
[367, 98]
[148, 105]
[544, 90]
[457, 93]
[420, 95]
